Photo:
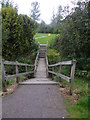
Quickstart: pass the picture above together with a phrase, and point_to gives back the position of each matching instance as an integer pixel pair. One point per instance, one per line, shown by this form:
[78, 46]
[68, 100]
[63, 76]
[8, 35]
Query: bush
[53, 56]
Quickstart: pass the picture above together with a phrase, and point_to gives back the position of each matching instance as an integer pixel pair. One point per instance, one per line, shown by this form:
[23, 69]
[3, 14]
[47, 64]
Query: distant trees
[17, 32]
[44, 28]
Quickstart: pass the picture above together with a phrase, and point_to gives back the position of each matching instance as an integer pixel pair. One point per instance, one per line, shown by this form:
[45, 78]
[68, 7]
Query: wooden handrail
[36, 62]
[6, 77]
[14, 63]
[60, 64]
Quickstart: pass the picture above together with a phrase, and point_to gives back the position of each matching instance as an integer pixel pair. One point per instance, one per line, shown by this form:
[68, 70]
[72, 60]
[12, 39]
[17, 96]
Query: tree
[56, 20]
[35, 12]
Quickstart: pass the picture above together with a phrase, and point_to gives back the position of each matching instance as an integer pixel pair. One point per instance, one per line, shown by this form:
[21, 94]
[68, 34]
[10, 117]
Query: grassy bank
[77, 104]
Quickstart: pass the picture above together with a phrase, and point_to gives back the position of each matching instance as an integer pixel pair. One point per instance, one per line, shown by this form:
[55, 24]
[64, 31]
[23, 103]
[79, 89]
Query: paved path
[35, 98]
[34, 101]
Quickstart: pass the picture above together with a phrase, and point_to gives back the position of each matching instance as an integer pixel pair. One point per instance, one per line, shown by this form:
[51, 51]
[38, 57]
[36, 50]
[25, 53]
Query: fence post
[26, 71]
[72, 76]
[17, 80]
[60, 67]
[4, 87]
[52, 74]
[47, 67]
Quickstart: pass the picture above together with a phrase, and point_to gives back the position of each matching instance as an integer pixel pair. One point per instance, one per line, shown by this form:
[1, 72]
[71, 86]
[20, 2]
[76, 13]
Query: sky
[46, 7]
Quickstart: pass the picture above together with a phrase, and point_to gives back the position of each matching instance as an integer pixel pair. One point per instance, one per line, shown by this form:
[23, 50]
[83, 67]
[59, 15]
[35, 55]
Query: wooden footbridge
[38, 97]
[40, 70]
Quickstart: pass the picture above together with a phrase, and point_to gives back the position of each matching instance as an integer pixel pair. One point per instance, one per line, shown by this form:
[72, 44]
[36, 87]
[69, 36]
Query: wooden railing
[60, 64]
[16, 64]
[46, 59]
[36, 62]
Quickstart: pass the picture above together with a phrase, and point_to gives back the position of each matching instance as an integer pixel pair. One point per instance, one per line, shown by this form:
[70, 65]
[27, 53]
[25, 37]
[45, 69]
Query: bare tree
[35, 11]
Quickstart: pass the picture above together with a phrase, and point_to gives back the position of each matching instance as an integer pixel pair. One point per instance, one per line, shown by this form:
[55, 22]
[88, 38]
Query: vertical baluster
[53, 74]
[4, 87]
[72, 76]
[60, 67]
[17, 80]
[47, 67]
[26, 71]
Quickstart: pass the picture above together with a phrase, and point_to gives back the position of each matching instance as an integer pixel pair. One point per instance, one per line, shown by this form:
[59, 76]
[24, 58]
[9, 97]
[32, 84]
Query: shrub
[53, 56]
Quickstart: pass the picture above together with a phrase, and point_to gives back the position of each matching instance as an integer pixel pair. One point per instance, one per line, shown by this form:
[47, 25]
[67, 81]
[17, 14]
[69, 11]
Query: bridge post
[72, 76]
[17, 80]
[60, 67]
[26, 71]
[4, 87]
[52, 74]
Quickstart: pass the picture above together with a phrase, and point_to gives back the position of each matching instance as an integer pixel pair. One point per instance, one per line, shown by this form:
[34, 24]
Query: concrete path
[35, 98]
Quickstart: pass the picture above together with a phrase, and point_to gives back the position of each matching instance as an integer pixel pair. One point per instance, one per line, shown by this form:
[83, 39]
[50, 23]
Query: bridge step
[42, 51]
[39, 81]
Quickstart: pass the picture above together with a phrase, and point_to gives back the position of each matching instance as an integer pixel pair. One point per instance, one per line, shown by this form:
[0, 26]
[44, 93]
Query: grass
[13, 81]
[80, 108]
[44, 38]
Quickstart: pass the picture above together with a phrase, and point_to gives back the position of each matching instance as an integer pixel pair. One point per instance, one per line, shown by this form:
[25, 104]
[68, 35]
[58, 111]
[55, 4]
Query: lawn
[44, 38]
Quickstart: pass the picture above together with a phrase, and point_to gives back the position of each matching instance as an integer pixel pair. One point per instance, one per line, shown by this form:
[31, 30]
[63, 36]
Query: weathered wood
[72, 76]
[47, 66]
[61, 63]
[36, 62]
[26, 71]
[14, 63]
[53, 74]
[14, 76]
[60, 67]
[17, 79]
[4, 87]
[60, 75]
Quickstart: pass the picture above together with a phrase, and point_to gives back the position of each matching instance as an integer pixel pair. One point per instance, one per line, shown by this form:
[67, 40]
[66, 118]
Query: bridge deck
[40, 77]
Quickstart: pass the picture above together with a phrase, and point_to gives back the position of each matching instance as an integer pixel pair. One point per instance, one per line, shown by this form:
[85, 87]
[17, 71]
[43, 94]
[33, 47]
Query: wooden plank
[14, 76]
[61, 75]
[61, 63]
[14, 63]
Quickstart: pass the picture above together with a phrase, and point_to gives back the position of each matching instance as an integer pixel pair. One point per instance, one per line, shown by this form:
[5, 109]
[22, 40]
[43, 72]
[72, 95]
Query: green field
[44, 38]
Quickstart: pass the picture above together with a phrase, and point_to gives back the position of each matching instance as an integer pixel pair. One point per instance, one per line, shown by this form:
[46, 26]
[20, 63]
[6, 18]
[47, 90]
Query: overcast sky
[46, 7]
